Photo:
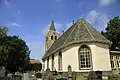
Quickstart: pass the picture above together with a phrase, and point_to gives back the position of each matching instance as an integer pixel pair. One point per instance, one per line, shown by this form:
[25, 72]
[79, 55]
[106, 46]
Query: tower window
[52, 37]
[55, 37]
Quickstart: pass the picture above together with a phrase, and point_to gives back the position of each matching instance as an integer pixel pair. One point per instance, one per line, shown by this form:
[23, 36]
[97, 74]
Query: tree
[112, 33]
[35, 67]
[14, 53]
[3, 30]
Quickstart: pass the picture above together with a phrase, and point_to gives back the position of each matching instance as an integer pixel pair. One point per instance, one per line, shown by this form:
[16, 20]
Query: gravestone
[45, 74]
[69, 73]
[99, 75]
[25, 76]
[9, 75]
[55, 73]
[50, 76]
[16, 77]
[74, 75]
[2, 72]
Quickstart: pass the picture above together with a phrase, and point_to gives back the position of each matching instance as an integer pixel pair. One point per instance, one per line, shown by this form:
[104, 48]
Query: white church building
[82, 47]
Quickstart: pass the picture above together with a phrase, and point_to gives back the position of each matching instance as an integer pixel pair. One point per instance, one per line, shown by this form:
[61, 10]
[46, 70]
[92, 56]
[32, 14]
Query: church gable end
[79, 32]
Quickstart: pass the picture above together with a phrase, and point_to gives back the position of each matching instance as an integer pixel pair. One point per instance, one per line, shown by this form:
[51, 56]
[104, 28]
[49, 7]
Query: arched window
[52, 37]
[52, 61]
[60, 60]
[84, 57]
[55, 37]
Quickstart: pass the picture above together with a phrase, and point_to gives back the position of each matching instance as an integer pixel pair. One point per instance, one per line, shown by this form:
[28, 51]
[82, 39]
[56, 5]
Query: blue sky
[30, 19]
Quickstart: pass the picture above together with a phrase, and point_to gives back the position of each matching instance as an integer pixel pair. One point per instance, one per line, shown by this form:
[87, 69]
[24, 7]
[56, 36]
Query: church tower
[51, 36]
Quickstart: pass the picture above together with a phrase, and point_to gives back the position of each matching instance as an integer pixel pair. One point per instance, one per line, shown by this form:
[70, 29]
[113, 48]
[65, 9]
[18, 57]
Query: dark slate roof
[79, 32]
[52, 26]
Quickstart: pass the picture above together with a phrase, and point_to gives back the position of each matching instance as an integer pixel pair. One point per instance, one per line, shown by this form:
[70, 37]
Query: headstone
[99, 75]
[2, 72]
[25, 76]
[74, 75]
[69, 73]
[16, 77]
[45, 74]
[9, 75]
[55, 73]
[50, 76]
[69, 68]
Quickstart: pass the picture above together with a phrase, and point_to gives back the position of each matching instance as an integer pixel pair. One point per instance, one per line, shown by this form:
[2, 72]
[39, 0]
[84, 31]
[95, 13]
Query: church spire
[52, 26]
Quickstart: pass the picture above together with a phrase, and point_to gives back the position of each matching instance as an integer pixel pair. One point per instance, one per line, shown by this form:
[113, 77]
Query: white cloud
[68, 25]
[102, 21]
[106, 2]
[14, 24]
[92, 16]
[97, 19]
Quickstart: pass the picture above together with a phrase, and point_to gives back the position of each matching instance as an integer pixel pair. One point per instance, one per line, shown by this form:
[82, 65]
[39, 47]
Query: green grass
[34, 79]
[59, 76]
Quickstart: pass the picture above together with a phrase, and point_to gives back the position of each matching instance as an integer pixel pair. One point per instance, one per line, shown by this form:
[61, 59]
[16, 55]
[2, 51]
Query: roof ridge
[88, 30]
[70, 33]
[80, 32]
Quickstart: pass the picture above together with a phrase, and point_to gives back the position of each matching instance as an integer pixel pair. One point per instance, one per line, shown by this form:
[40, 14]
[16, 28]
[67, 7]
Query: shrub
[81, 77]
[92, 76]
[112, 77]
[38, 75]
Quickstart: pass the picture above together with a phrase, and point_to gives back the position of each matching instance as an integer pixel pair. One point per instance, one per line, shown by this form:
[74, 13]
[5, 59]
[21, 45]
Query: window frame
[85, 61]
[117, 59]
[60, 60]
[55, 37]
[52, 37]
[53, 62]
[112, 62]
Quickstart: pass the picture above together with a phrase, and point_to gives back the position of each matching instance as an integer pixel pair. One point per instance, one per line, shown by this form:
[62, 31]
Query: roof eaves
[76, 42]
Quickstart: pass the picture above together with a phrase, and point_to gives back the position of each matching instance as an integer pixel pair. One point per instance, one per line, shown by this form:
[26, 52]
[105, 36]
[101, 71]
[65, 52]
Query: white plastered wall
[50, 62]
[100, 57]
[45, 62]
[56, 61]
[69, 57]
